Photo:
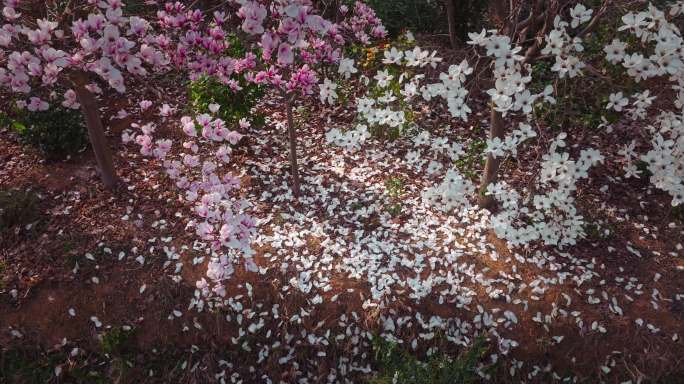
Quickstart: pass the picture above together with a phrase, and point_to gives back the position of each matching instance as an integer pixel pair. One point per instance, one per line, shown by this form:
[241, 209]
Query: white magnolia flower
[346, 68]
[383, 78]
[617, 101]
[393, 56]
[327, 91]
[580, 14]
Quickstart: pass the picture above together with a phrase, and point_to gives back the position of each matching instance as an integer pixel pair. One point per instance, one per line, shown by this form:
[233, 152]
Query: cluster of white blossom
[437, 146]
[510, 93]
[396, 84]
[665, 160]
[328, 92]
[551, 216]
[452, 193]
[380, 111]
[350, 140]
[455, 190]
[563, 46]
[451, 89]
[499, 148]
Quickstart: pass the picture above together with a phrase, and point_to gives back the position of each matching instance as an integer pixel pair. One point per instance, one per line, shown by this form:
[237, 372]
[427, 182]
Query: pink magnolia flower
[163, 147]
[166, 110]
[36, 104]
[234, 137]
[10, 13]
[303, 80]
[145, 104]
[285, 54]
[189, 128]
[205, 231]
[70, 100]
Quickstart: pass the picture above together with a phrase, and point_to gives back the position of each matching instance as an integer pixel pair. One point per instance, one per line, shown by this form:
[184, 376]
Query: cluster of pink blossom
[292, 41]
[364, 24]
[106, 43]
[199, 44]
[202, 171]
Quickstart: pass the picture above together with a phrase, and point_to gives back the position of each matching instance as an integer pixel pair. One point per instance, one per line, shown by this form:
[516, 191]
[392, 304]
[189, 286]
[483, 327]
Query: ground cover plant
[297, 194]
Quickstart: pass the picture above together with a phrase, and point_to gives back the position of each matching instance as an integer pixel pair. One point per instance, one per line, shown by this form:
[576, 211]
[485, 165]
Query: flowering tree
[286, 45]
[518, 23]
[295, 42]
[66, 46]
[547, 213]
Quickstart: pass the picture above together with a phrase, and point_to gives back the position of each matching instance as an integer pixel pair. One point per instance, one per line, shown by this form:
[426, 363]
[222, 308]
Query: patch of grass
[678, 212]
[31, 365]
[18, 209]
[473, 161]
[644, 172]
[302, 117]
[596, 231]
[117, 342]
[395, 189]
[133, 7]
[25, 366]
[5, 120]
[398, 366]
[118, 346]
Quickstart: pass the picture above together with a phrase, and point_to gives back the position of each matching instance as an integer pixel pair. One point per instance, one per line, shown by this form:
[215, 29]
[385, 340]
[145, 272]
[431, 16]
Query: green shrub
[133, 7]
[57, 133]
[415, 15]
[235, 105]
[18, 208]
[678, 212]
[396, 365]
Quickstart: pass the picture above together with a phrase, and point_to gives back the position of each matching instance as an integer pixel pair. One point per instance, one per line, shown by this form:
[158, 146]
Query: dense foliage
[58, 132]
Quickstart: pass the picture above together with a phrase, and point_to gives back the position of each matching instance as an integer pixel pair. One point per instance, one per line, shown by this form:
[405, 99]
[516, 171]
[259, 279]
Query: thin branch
[595, 20]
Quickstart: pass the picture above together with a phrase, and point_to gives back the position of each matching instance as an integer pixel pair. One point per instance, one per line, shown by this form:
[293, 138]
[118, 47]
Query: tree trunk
[491, 171]
[294, 169]
[98, 141]
[451, 18]
[498, 11]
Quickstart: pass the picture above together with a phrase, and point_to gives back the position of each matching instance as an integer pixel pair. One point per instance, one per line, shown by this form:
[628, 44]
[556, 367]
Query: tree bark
[451, 18]
[98, 141]
[491, 171]
[498, 10]
[294, 168]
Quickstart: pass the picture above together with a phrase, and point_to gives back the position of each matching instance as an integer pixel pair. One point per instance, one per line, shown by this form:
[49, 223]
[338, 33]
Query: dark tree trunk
[96, 134]
[491, 170]
[451, 18]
